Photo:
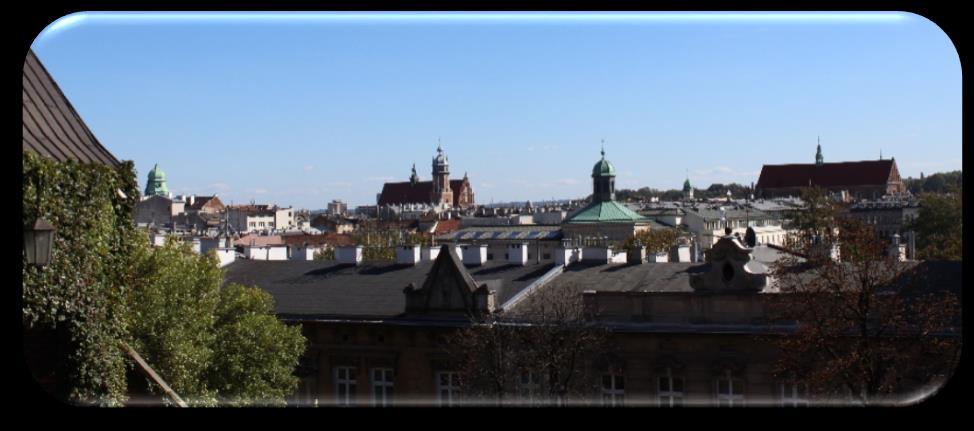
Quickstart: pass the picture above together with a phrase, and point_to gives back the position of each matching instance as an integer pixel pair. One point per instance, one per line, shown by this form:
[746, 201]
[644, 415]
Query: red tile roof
[864, 173]
[419, 193]
[200, 201]
[259, 240]
[332, 239]
[446, 226]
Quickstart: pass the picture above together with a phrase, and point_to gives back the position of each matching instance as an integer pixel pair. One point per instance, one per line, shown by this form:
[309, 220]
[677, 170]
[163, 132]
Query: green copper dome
[603, 168]
[686, 185]
[156, 183]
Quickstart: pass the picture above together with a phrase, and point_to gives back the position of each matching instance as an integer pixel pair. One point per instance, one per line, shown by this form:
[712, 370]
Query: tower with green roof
[603, 216]
[156, 183]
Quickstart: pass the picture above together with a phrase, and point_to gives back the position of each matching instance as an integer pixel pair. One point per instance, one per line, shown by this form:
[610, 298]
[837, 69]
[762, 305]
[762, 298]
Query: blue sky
[299, 109]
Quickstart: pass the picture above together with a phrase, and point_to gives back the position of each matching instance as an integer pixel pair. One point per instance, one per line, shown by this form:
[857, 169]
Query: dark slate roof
[419, 193]
[326, 289]
[51, 126]
[864, 173]
[647, 277]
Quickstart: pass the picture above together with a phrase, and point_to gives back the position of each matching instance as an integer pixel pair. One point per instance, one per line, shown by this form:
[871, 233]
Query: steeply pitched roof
[606, 212]
[864, 173]
[419, 193]
[51, 126]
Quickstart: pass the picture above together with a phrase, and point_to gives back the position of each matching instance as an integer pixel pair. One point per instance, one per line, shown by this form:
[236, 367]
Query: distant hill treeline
[715, 190]
[940, 182]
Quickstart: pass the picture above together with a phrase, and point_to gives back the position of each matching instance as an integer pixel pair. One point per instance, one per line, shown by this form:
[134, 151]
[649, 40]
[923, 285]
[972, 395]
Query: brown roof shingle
[419, 193]
[51, 126]
[864, 173]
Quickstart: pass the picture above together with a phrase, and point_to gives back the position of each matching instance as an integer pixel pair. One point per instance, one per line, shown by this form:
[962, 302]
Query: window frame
[452, 388]
[731, 398]
[675, 398]
[383, 390]
[345, 387]
[615, 394]
[797, 397]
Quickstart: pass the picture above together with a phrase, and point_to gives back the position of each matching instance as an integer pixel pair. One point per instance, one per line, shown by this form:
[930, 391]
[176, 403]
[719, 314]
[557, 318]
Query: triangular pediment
[448, 288]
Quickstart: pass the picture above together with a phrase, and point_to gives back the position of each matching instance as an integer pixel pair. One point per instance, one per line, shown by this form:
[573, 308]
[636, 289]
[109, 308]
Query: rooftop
[606, 212]
[324, 289]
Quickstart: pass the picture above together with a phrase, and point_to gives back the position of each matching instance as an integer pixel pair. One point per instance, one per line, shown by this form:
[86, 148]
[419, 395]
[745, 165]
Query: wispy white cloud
[567, 181]
[308, 168]
[378, 179]
[259, 191]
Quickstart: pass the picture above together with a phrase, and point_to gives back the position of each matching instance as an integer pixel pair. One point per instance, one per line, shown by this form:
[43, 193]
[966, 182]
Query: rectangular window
[669, 390]
[382, 385]
[345, 384]
[528, 387]
[613, 389]
[794, 395]
[730, 391]
[447, 388]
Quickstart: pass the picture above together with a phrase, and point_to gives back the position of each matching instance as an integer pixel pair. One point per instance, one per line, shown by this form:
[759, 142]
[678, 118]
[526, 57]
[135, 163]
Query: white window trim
[380, 394]
[671, 394]
[794, 397]
[350, 385]
[731, 398]
[452, 391]
[612, 394]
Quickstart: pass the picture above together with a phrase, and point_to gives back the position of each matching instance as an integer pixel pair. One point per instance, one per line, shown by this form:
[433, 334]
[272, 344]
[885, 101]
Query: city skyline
[318, 107]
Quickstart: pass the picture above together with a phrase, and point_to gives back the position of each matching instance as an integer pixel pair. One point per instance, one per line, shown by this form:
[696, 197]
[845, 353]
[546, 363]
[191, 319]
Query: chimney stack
[518, 253]
[474, 255]
[408, 254]
[349, 254]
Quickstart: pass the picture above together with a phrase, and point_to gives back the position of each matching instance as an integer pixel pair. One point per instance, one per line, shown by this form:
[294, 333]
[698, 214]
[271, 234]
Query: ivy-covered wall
[82, 292]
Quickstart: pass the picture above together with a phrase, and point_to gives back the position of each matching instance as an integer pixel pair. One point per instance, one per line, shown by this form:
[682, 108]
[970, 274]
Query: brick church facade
[441, 191]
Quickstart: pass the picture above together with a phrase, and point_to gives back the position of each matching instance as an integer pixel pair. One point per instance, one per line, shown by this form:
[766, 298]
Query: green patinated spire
[156, 184]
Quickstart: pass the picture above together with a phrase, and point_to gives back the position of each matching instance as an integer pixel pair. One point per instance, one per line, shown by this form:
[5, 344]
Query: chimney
[566, 255]
[349, 254]
[474, 254]
[659, 257]
[407, 254]
[518, 253]
[636, 256]
[430, 253]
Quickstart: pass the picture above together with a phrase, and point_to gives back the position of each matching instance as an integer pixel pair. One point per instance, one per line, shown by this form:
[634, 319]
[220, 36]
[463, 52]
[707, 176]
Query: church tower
[818, 155]
[441, 179]
[603, 180]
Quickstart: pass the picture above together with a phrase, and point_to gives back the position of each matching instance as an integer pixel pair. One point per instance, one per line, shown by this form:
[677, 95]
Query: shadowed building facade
[868, 179]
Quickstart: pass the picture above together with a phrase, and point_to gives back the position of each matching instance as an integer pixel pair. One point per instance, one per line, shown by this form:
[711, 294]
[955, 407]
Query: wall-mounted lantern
[38, 243]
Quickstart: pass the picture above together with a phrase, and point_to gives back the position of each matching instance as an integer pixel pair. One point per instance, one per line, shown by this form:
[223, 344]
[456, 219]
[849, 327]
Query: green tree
[939, 227]
[211, 345]
[655, 240]
[254, 354]
[172, 305]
